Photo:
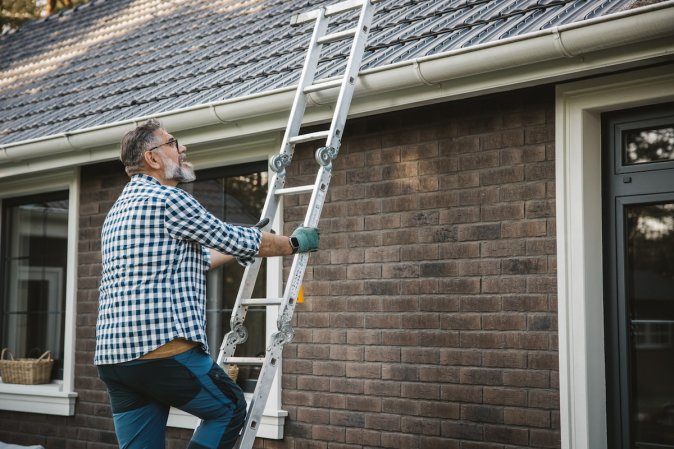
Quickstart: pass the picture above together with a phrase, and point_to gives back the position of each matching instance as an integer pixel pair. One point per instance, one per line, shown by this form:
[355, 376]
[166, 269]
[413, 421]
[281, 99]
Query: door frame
[580, 290]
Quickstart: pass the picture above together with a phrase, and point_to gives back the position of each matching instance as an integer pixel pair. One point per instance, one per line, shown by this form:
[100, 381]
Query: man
[157, 243]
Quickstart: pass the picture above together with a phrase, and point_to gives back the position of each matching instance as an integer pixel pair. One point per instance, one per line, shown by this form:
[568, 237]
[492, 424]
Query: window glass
[645, 145]
[33, 266]
[235, 195]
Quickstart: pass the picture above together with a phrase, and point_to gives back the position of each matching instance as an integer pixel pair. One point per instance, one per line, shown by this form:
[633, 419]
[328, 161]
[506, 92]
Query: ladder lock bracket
[325, 155]
[279, 162]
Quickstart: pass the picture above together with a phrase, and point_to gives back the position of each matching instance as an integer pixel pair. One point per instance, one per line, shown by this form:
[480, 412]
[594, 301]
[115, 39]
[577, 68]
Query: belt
[173, 347]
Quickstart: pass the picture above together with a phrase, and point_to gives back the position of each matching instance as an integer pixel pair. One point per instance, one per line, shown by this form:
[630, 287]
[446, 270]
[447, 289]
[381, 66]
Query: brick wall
[430, 314]
[430, 319]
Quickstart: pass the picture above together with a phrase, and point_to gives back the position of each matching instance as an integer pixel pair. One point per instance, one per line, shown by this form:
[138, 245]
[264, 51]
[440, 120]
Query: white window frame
[59, 396]
[582, 380]
[248, 150]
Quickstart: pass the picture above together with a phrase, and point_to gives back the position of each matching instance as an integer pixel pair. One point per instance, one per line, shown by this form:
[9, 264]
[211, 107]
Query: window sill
[49, 399]
[271, 426]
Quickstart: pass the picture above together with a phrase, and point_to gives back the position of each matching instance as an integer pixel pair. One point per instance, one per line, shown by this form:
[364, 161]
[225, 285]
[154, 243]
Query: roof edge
[570, 42]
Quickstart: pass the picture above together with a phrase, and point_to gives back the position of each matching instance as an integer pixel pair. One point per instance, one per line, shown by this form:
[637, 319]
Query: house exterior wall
[430, 314]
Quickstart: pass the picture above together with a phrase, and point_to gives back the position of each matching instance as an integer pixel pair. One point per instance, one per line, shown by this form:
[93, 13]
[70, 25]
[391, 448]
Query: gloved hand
[306, 239]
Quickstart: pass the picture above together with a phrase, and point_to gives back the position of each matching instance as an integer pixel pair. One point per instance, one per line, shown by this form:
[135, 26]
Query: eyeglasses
[170, 142]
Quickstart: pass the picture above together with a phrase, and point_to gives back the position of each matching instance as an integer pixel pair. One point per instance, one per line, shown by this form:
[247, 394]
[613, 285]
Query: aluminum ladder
[278, 163]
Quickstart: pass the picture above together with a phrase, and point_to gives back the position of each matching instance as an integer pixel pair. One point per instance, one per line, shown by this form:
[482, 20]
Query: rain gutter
[627, 39]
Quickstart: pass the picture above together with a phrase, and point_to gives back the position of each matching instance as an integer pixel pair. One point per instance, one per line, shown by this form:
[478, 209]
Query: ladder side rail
[306, 79]
[270, 366]
[350, 77]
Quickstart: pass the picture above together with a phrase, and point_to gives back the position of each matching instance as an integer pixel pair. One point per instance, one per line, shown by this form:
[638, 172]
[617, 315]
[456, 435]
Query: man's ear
[152, 160]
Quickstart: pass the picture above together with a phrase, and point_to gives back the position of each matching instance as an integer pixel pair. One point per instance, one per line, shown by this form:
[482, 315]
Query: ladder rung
[323, 86]
[262, 301]
[337, 36]
[311, 136]
[329, 11]
[243, 360]
[298, 189]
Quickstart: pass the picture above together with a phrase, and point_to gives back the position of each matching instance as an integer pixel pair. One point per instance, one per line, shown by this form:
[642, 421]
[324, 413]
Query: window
[33, 265]
[38, 259]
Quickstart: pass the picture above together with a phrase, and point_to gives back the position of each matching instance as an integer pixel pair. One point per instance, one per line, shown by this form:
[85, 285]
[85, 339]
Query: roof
[108, 61]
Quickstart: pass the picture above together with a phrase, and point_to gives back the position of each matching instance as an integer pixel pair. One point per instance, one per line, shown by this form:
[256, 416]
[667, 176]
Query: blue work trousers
[142, 391]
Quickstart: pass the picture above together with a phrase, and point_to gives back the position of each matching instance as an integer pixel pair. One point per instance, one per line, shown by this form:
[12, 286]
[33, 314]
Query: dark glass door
[639, 271]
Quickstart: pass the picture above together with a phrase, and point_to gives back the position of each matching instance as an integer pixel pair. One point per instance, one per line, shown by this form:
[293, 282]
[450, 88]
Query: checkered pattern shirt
[154, 246]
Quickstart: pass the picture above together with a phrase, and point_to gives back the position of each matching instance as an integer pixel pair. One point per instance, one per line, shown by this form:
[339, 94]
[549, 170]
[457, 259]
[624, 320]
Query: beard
[182, 172]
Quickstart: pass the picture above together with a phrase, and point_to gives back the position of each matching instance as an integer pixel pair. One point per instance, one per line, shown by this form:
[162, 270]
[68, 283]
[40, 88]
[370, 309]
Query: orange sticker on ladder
[300, 294]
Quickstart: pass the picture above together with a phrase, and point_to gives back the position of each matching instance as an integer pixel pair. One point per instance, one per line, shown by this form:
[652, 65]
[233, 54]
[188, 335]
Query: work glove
[304, 239]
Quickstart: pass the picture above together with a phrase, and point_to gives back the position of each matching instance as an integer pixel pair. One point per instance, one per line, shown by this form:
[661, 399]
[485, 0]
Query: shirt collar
[142, 177]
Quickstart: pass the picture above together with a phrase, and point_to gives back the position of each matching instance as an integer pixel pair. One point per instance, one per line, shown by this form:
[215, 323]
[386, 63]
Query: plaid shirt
[155, 256]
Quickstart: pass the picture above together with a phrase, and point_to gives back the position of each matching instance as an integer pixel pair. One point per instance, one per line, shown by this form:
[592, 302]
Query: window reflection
[648, 145]
[650, 246]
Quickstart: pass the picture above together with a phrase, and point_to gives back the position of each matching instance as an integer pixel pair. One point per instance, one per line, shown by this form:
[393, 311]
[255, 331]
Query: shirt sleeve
[187, 219]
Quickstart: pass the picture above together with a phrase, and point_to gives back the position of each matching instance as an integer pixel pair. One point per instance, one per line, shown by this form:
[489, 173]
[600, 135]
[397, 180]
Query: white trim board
[579, 105]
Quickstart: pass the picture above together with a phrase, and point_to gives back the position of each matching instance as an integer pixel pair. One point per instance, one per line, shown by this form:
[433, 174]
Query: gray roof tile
[108, 60]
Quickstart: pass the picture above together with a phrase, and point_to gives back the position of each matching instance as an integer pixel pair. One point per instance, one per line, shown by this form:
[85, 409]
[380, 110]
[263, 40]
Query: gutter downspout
[563, 42]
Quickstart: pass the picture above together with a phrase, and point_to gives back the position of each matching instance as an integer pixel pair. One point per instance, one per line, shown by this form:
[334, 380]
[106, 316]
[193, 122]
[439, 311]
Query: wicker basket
[26, 371]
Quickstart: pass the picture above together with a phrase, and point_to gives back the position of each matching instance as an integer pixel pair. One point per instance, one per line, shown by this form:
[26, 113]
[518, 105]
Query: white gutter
[541, 57]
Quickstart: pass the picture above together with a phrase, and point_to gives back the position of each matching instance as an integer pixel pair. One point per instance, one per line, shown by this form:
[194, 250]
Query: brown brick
[545, 438]
[382, 354]
[363, 437]
[505, 396]
[527, 417]
[504, 321]
[526, 378]
[461, 393]
[468, 357]
[363, 370]
[481, 376]
[329, 433]
[362, 403]
[389, 423]
[504, 359]
[462, 430]
[460, 321]
[506, 434]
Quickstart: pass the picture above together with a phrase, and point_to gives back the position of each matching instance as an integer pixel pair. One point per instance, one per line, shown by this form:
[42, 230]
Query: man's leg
[190, 381]
[139, 422]
[220, 403]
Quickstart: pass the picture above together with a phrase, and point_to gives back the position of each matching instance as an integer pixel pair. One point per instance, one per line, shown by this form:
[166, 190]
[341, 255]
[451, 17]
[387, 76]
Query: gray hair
[135, 143]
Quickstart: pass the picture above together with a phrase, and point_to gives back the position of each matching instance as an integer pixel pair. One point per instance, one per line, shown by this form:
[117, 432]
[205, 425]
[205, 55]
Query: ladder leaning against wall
[278, 163]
